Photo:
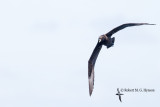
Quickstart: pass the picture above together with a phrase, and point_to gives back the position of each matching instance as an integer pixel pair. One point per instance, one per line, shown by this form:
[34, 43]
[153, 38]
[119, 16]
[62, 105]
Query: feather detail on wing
[109, 34]
[91, 64]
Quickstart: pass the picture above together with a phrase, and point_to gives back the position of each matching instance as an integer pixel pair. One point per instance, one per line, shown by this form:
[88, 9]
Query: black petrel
[108, 42]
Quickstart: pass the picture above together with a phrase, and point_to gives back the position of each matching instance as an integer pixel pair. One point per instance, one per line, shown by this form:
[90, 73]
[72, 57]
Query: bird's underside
[107, 41]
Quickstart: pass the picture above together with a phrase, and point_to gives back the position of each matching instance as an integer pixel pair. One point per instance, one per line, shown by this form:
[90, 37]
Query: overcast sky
[45, 46]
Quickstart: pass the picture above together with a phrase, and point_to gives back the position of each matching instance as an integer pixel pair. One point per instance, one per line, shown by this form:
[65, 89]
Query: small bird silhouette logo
[119, 94]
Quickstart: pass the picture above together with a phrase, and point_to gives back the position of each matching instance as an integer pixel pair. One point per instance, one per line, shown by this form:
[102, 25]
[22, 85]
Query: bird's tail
[111, 42]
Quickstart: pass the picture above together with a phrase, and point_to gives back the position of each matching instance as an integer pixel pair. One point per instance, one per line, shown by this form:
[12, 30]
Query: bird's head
[107, 41]
[101, 39]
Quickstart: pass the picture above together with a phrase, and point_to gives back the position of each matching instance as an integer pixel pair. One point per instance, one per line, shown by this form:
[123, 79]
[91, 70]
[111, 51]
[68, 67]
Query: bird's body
[107, 41]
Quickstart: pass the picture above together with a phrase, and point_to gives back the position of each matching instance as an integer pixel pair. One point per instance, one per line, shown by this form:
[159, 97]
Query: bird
[107, 41]
[119, 95]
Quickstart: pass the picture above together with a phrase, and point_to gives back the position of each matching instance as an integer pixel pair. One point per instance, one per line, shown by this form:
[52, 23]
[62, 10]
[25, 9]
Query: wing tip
[147, 24]
[91, 83]
[141, 23]
[90, 93]
[90, 86]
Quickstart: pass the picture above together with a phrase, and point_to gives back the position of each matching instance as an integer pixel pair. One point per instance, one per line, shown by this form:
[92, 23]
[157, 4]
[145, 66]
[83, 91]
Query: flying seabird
[119, 95]
[108, 42]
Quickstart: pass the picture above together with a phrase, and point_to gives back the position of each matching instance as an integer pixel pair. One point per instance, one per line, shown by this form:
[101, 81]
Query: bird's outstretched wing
[109, 34]
[91, 64]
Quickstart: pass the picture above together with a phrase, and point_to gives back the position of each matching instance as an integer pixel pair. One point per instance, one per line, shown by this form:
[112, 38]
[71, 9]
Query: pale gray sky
[45, 46]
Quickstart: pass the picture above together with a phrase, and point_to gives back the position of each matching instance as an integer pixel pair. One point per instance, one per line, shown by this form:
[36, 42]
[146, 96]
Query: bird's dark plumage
[108, 42]
[109, 34]
[92, 62]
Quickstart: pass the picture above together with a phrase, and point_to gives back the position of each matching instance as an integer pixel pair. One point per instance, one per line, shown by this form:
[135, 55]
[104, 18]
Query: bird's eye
[99, 40]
